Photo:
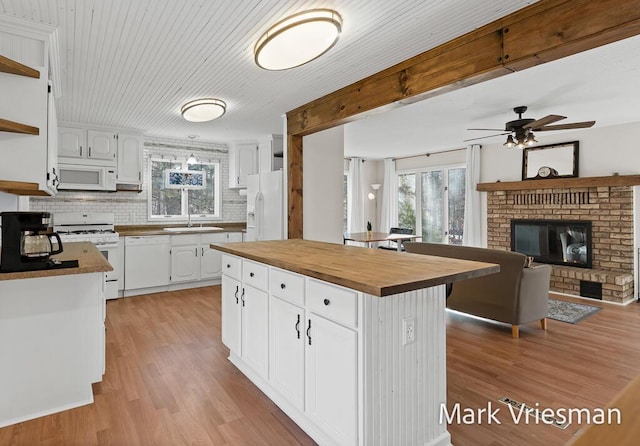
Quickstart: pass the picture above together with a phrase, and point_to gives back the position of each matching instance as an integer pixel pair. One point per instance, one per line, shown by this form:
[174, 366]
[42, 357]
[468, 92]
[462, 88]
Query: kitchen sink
[193, 229]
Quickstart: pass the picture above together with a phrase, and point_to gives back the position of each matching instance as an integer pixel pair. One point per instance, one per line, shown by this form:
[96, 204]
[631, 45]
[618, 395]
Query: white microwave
[84, 177]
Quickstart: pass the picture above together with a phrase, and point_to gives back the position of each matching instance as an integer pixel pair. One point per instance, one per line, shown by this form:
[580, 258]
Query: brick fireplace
[610, 210]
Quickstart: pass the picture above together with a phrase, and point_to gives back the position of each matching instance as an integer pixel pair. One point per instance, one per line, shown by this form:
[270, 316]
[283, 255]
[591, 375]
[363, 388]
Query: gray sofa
[516, 295]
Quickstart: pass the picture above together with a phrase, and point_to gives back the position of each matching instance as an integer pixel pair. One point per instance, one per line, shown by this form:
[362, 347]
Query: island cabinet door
[286, 350]
[255, 329]
[231, 314]
[331, 378]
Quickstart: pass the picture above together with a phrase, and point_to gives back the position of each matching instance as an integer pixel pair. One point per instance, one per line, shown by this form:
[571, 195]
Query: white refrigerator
[264, 206]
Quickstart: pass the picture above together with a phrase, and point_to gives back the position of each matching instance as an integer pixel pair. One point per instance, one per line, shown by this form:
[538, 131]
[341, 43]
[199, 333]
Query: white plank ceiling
[133, 63]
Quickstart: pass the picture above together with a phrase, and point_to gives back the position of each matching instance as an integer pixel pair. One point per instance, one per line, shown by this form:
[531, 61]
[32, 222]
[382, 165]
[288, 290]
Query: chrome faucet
[189, 209]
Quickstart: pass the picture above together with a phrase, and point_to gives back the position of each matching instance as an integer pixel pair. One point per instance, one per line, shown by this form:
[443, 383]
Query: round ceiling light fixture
[202, 110]
[298, 39]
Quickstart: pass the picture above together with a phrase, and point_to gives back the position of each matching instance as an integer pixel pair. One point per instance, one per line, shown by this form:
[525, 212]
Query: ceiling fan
[521, 130]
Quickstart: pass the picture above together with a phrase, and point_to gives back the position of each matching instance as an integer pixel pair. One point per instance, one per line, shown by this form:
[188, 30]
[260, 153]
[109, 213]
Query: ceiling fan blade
[490, 136]
[574, 125]
[493, 130]
[543, 121]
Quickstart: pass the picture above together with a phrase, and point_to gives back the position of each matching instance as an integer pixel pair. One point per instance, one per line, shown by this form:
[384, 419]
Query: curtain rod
[420, 155]
[429, 154]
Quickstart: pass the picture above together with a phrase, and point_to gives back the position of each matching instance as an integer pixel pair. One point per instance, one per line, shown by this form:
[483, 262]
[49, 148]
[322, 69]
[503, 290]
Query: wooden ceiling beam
[545, 31]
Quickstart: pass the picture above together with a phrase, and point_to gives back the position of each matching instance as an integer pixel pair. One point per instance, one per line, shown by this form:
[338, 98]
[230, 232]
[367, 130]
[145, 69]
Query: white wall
[603, 151]
[323, 160]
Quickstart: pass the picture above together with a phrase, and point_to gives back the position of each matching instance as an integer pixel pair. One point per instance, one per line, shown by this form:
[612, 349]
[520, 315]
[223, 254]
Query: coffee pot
[38, 247]
[26, 244]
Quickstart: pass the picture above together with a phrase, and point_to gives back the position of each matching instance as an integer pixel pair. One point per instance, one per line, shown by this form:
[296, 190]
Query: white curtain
[389, 211]
[472, 234]
[355, 199]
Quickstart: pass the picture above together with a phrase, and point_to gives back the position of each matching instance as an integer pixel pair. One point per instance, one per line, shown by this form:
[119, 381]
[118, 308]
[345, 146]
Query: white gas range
[97, 228]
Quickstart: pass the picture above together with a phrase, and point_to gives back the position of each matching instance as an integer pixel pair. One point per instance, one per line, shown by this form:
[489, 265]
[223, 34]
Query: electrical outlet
[408, 330]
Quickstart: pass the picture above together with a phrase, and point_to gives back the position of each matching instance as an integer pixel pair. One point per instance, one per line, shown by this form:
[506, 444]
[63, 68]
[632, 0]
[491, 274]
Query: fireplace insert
[560, 242]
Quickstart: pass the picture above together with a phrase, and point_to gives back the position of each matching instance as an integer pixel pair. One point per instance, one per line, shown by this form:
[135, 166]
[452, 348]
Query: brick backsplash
[610, 210]
[131, 207]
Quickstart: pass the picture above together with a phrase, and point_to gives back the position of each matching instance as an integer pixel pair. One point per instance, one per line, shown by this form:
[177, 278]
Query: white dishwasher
[147, 261]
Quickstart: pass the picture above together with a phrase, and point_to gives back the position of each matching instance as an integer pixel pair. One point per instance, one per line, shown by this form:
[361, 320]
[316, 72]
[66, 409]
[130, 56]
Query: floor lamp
[373, 196]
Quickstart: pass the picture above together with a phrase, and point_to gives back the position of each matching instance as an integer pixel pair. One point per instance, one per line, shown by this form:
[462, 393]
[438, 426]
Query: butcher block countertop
[89, 261]
[142, 230]
[373, 271]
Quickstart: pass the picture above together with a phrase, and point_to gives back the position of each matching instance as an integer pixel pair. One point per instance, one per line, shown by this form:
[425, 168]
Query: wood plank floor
[168, 381]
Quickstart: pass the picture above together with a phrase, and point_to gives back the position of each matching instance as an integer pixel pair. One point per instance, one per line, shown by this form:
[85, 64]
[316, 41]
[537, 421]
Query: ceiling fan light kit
[520, 131]
[298, 39]
[203, 110]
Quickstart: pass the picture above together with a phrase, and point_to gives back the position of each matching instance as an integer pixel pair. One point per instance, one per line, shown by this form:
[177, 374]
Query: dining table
[369, 237]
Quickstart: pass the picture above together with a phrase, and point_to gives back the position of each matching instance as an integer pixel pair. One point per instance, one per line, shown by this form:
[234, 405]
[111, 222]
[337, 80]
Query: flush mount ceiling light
[298, 39]
[202, 110]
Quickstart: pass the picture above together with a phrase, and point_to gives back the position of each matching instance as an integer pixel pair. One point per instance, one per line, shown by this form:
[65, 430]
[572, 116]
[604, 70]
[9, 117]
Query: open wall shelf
[16, 127]
[21, 188]
[11, 66]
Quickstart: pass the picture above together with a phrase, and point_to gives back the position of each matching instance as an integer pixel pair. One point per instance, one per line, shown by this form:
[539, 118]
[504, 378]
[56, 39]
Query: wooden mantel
[614, 180]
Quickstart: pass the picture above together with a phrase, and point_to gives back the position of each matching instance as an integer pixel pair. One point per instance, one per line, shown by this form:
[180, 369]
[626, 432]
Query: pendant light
[298, 39]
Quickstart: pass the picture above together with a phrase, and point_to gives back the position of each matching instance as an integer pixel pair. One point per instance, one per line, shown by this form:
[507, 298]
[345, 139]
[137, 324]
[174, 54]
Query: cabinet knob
[251, 274]
[327, 301]
[282, 286]
[228, 266]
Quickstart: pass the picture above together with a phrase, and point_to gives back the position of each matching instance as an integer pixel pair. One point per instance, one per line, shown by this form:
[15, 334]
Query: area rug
[570, 312]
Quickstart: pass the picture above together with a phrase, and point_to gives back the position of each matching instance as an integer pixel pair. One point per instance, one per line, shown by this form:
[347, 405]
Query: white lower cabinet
[185, 263]
[331, 376]
[255, 329]
[231, 314]
[192, 259]
[211, 259]
[286, 350]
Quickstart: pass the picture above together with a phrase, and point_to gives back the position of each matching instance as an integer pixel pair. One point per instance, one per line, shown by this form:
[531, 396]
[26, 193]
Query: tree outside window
[407, 200]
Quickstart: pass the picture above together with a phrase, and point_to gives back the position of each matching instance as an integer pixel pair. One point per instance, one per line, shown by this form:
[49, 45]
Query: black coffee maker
[26, 246]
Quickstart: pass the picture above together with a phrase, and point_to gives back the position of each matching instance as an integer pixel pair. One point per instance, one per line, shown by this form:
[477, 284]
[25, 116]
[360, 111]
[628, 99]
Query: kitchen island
[52, 335]
[349, 342]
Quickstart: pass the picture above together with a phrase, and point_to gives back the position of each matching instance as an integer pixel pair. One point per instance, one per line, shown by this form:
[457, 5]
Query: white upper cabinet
[129, 159]
[77, 145]
[72, 142]
[270, 153]
[243, 161]
[102, 145]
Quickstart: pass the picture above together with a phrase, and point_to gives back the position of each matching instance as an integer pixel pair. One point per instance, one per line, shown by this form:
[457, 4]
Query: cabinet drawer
[232, 266]
[333, 302]
[256, 275]
[287, 285]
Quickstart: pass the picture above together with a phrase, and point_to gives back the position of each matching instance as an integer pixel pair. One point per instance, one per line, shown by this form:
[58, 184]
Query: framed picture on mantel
[551, 161]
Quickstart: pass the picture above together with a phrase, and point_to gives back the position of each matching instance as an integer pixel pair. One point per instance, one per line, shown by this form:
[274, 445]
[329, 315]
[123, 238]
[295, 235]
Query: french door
[432, 202]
